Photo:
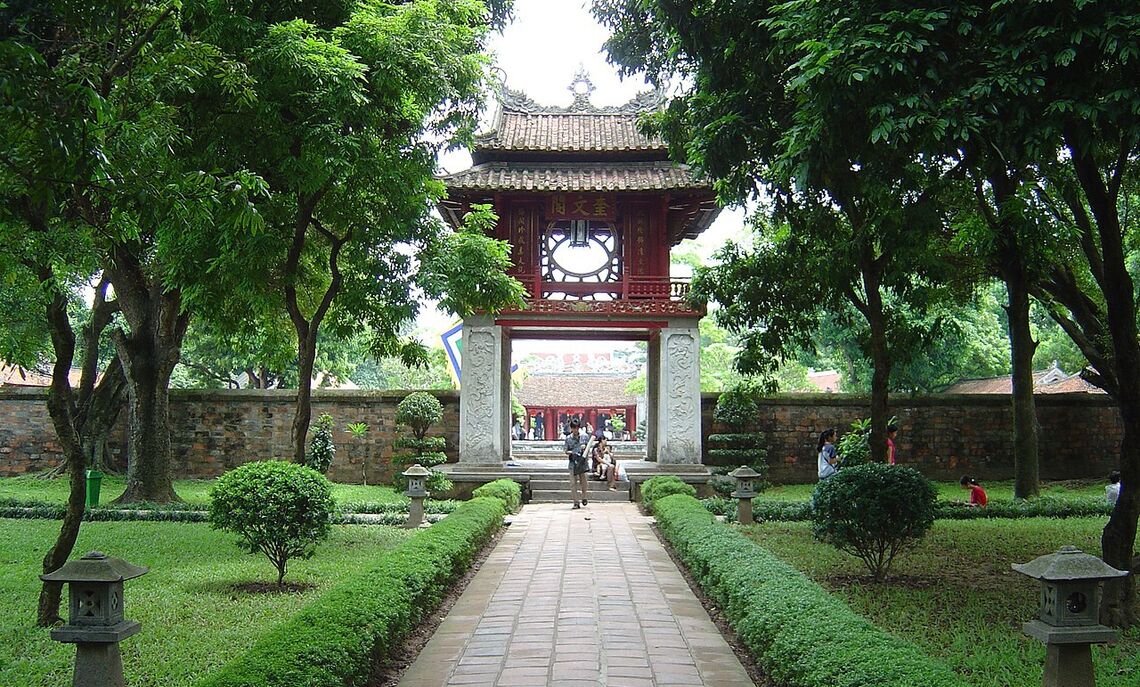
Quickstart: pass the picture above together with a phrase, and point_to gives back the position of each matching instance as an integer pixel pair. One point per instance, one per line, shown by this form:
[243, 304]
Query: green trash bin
[94, 483]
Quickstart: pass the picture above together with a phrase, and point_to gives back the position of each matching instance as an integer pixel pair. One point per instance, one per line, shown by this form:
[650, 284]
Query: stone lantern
[745, 491]
[96, 623]
[417, 491]
[1068, 619]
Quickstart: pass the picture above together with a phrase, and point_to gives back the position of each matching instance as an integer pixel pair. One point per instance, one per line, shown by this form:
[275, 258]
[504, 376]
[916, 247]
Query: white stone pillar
[484, 408]
[678, 427]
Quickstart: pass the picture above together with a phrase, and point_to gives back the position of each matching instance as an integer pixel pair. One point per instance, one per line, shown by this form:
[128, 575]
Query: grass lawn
[193, 620]
[952, 491]
[956, 597]
[30, 488]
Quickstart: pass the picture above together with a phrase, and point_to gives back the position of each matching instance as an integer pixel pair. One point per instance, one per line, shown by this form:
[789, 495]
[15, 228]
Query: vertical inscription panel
[481, 409]
[679, 398]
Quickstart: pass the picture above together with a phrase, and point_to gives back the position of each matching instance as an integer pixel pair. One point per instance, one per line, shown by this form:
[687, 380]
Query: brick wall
[214, 431]
[944, 435]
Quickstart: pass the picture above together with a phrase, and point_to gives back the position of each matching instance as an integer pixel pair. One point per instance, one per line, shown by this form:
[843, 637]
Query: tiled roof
[575, 176]
[1050, 381]
[567, 132]
[576, 390]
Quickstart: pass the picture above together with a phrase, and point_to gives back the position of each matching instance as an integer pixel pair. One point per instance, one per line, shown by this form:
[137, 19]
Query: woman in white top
[828, 455]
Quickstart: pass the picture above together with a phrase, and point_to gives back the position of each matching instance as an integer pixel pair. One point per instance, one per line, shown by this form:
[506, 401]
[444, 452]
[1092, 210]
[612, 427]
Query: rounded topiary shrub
[737, 408]
[280, 509]
[659, 487]
[419, 411]
[873, 512]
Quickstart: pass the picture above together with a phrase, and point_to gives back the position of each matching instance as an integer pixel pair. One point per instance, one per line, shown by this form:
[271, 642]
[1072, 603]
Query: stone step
[562, 481]
[564, 496]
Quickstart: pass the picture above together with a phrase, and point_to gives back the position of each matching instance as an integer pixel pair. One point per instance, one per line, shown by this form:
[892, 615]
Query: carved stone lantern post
[417, 491]
[1068, 619]
[745, 491]
[96, 623]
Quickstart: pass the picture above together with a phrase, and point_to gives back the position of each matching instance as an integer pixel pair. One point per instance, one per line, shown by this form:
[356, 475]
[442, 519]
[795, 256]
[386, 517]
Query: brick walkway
[567, 601]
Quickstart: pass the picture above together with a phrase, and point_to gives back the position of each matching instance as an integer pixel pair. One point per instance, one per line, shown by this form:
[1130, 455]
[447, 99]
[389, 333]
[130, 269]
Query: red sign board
[581, 206]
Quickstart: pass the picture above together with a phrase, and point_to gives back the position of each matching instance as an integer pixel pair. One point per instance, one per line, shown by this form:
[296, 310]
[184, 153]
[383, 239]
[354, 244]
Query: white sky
[538, 54]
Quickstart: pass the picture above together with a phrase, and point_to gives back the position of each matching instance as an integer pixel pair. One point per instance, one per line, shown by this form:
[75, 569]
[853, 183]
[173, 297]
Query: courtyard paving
[577, 598]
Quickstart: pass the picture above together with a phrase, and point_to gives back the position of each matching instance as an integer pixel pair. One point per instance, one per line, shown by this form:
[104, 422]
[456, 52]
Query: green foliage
[800, 635]
[737, 411]
[661, 486]
[195, 604]
[419, 411]
[1004, 509]
[854, 446]
[737, 408]
[321, 447]
[336, 639]
[506, 490]
[874, 512]
[280, 509]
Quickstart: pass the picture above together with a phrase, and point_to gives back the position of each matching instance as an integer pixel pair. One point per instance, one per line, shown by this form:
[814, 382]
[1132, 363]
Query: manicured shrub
[280, 509]
[321, 448]
[419, 411]
[737, 412]
[737, 408]
[661, 486]
[506, 490]
[335, 640]
[873, 512]
[800, 635]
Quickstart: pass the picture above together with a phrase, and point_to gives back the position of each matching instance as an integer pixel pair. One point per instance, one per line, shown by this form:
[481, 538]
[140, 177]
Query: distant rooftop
[1051, 381]
[576, 390]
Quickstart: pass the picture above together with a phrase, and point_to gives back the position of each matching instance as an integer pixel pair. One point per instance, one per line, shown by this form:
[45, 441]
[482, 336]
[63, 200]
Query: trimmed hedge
[800, 635]
[661, 486]
[334, 640]
[1043, 507]
[506, 490]
[394, 513]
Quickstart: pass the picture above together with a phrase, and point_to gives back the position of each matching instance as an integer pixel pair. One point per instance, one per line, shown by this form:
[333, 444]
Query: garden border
[801, 635]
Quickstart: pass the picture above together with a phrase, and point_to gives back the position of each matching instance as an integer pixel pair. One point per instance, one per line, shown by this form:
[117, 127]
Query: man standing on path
[576, 442]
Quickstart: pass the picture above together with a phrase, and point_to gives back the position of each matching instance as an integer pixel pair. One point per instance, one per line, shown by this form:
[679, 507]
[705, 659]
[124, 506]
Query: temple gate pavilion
[591, 208]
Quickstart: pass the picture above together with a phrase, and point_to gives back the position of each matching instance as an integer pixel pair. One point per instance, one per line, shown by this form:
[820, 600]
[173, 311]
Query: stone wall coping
[787, 399]
[267, 395]
[913, 400]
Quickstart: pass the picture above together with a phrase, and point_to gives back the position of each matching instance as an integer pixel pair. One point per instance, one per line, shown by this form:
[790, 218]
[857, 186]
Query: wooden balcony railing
[629, 288]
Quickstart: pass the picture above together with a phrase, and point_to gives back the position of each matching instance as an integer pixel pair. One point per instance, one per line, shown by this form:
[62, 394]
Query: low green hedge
[30, 509]
[1043, 507]
[661, 486]
[335, 640]
[506, 490]
[800, 635]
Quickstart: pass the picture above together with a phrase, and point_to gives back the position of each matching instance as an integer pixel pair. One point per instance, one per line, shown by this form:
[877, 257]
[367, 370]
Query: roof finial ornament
[582, 88]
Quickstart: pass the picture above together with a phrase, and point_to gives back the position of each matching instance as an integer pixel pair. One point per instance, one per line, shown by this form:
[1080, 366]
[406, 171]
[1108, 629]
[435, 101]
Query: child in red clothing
[978, 497]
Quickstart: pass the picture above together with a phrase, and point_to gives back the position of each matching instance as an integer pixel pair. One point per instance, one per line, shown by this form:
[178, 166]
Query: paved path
[567, 601]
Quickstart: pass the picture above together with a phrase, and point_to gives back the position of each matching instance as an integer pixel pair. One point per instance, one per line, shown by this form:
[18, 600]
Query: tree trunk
[880, 360]
[60, 407]
[306, 357]
[1118, 540]
[148, 433]
[148, 355]
[1026, 481]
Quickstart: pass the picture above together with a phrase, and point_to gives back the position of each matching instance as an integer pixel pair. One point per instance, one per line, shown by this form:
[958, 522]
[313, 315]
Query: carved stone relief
[479, 396]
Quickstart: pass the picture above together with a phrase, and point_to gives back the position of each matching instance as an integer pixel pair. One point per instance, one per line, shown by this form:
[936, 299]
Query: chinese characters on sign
[581, 206]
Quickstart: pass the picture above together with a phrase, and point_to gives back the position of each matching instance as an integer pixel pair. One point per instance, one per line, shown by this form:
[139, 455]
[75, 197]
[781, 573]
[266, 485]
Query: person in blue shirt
[828, 455]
